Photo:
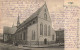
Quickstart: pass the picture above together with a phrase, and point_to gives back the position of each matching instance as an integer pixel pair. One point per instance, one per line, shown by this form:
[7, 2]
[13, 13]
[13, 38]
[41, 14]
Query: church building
[36, 30]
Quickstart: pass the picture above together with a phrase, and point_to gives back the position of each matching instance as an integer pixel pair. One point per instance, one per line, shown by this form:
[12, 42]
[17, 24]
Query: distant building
[60, 36]
[8, 33]
[36, 30]
[1, 36]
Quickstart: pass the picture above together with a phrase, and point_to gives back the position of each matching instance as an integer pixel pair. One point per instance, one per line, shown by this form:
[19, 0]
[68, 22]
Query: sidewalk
[39, 46]
[5, 46]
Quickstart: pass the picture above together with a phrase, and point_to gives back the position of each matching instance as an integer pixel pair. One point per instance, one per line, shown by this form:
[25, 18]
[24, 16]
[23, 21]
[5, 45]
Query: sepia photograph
[32, 25]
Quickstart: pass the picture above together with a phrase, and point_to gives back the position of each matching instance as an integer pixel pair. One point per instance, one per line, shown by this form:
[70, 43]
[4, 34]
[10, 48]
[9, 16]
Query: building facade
[8, 33]
[36, 30]
[60, 36]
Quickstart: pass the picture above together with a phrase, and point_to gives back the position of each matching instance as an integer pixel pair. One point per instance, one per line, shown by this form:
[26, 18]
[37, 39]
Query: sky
[11, 9]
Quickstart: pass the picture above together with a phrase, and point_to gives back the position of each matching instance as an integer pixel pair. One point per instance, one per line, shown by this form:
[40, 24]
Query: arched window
[45, 30]
[24, 36]
[33, 35]
[52, 37]
[49, 32]
[45, 16]
[21, 36]
[45, 10]
[41, 29]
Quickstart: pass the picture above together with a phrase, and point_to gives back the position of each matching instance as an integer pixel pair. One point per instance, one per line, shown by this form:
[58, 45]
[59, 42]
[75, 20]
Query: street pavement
[47, 48]
[4, 46]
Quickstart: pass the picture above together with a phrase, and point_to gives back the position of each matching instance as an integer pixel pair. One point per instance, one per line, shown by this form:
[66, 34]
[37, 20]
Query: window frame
[41, 29]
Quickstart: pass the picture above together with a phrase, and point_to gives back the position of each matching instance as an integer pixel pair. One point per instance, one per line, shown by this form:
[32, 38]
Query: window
[24, 36]
[45, 30]
[21, 36]
[33, 35]
[41, 29]
[49, 30]
[45, 10]
[45, 16]
[52, 37]
[33, 22]
[18, 36]
[29, 23]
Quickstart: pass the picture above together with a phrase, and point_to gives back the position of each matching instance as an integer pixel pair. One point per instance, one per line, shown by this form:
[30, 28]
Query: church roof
[35, 14]
[9, 30]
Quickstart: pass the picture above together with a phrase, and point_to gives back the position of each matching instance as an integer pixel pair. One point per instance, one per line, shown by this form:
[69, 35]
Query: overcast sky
[9, 9]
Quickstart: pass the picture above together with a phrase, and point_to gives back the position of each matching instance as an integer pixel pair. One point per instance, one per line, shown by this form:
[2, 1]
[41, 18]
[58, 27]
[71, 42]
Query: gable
[44, 14]
[41, 13]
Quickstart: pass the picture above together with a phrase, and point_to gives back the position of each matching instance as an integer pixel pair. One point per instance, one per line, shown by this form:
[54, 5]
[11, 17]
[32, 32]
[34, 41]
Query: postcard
[39, 25]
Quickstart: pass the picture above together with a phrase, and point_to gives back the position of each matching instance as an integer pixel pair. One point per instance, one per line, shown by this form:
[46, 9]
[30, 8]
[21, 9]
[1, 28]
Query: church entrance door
[45, 41]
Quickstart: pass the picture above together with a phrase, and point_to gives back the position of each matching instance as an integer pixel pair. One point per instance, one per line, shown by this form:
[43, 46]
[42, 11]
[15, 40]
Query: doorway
[45, 41]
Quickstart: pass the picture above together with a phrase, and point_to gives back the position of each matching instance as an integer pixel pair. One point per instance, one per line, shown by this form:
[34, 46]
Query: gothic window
[17, 36]
[29, 23]
[24, 36]
[45, 10]
[41, 29]
[49, 30]
[33, 35]
[45, 30]
[52, 37]
[45, 16]
[21, 36]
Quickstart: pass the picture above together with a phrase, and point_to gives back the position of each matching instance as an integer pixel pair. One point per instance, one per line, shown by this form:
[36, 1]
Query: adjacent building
[60, 36]
[8, 33]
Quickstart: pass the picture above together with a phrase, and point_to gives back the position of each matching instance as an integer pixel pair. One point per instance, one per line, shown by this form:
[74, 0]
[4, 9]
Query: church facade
[36, 30]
